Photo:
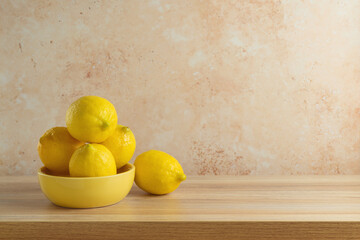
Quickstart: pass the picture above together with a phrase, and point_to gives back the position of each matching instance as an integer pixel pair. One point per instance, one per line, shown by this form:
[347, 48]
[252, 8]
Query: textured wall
[227, 87]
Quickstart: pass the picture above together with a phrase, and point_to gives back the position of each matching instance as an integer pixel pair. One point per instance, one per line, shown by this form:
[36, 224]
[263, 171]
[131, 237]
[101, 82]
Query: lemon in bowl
[91, 119]
[92, 160]
[86, 192]
[55, 149]
[122, 145]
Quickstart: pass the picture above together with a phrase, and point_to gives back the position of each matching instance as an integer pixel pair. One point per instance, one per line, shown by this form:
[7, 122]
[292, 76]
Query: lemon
[157, 172]
[92, 160]
[91, 119]
[55, 148]
[121, 144]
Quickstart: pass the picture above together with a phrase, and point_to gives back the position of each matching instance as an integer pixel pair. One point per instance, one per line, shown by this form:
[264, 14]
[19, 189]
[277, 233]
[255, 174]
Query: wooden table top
[210, 200]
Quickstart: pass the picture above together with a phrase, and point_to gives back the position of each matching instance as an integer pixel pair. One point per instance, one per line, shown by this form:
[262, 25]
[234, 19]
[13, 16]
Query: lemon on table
[157, 172]
[121, 144]
[55, 148]
[91, 119]
[92, 160]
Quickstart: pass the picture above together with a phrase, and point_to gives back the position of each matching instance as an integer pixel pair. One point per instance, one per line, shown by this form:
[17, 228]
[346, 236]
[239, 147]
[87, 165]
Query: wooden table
[210, 207]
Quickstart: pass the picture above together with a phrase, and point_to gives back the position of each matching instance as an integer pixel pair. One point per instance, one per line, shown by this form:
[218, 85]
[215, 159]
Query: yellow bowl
[86, 192]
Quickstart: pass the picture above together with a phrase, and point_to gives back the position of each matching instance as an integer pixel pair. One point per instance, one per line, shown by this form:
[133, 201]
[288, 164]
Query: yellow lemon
[121, 144]
[157, 172]
[92, 160]
[91, 119]
[55, 148]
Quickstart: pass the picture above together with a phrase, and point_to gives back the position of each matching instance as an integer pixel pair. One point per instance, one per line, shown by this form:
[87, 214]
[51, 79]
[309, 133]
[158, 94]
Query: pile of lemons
[94, 145]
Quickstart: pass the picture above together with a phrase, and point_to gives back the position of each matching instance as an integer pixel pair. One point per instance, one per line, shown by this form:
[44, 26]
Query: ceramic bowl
[86, 192]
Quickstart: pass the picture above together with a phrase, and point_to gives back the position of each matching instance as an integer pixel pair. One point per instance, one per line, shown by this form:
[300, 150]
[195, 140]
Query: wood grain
[220, 207]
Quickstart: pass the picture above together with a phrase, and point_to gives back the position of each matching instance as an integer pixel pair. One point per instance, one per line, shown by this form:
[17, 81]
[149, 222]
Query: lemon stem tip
[89, 146]
[182, 177]
[105, 125]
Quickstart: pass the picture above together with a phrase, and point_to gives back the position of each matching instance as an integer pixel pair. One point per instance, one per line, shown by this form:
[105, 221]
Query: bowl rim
[132, 168]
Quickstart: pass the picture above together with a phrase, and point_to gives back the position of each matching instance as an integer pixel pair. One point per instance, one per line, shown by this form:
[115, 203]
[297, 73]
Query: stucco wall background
[226, 87]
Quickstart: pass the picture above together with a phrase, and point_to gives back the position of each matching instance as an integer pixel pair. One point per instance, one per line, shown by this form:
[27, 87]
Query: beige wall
[227, 87]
